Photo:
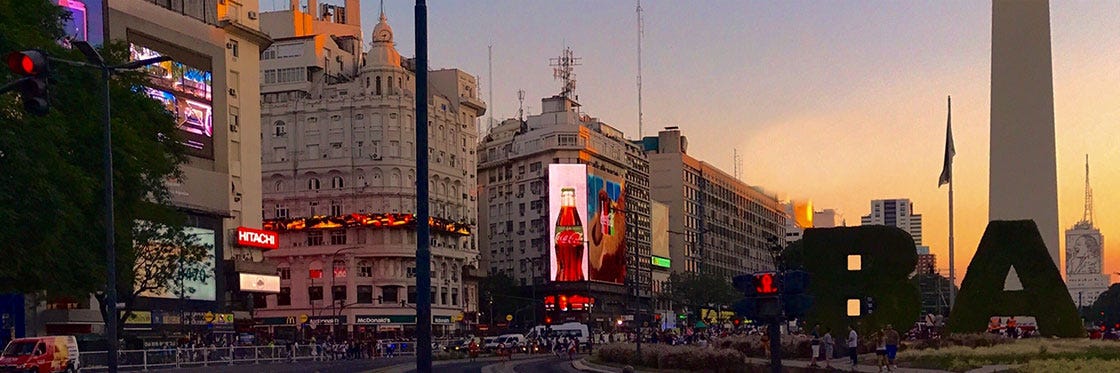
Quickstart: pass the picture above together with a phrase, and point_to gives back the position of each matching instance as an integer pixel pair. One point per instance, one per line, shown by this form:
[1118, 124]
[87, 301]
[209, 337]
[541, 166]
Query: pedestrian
[473, 348]
[891, 340]
[815, 346]
[853, 346]
[826, 343]
[880, 339]
[572, 346]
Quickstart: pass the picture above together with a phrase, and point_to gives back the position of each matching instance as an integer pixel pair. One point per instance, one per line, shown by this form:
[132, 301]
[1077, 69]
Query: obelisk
[1023, 180]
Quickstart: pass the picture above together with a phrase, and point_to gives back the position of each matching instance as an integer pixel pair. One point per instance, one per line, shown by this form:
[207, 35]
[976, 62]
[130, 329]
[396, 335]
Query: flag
[950, 151]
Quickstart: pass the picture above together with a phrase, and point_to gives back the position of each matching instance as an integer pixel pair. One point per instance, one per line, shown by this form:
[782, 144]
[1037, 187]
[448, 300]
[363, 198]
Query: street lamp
[95, 60]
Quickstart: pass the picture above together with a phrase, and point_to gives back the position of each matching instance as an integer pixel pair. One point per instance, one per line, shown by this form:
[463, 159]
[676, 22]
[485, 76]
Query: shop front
[399, 326]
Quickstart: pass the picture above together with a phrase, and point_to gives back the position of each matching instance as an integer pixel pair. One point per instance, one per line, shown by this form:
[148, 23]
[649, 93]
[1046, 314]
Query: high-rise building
[896, 213]
[828, 218]
[339, 159]
[1022, 165]
[215, 47]
[718, 224]
[1085, 276]
[927, 261]
[519, 163]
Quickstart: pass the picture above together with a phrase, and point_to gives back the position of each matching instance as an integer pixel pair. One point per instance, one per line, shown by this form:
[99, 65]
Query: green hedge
[1044, 295]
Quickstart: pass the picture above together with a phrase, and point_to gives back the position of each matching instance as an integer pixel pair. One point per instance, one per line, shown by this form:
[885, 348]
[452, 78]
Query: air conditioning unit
[234, 128]
[233, 92]
[252, 14]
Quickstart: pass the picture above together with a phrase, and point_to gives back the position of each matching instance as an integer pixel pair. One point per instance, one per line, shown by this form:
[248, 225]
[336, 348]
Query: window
[315, 293]
[336, 182]
[234, 119]
[315, 238]
[338, 237]
[338, 292]
[365, 294]
[389, 294]
[365, 269]
[412, 294]
[336, 210]
[285, 297]
[411, 272]
[281, 211]
[377, 86]
[313, 184]
[260, 301]
[433, 295]
[443, 296]
[339, 267]
[454, 296]
[233, 48]
[534, 167]
[285, 273]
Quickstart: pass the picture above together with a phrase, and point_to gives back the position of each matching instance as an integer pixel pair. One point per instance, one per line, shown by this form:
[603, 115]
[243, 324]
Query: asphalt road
[551, 365]
[340, 366]
[462, 367]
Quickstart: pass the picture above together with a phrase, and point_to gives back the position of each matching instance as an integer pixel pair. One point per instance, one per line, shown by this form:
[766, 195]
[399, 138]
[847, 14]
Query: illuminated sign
[196, 289]
[765, 283]
[365, 220]
[661, 262]
[606, 227]
[567, 207]
[255, 283]
[568, 302]
[257, 238]
[187, 93]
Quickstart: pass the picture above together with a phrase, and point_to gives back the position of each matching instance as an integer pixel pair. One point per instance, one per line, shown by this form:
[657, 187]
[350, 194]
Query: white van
[569, 329]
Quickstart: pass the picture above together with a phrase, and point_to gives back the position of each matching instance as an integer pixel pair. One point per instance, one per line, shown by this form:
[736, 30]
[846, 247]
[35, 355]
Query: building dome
[382, 52]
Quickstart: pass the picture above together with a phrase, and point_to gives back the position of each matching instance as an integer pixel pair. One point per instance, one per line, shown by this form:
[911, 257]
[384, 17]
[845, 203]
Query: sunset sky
[840, 102]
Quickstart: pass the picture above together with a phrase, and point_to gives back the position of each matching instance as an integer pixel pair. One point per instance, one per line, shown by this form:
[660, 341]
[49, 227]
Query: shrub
[692, 358]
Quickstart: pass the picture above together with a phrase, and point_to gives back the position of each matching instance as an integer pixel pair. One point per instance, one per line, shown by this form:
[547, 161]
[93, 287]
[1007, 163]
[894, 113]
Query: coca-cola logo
[257, 238]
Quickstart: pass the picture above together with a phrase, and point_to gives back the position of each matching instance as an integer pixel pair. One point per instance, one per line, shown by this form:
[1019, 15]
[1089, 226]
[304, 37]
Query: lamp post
[95, 60]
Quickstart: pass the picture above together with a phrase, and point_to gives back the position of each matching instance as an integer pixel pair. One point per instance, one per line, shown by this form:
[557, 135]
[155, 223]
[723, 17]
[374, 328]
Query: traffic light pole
[110, 229]
[774, 330]
[423, 229]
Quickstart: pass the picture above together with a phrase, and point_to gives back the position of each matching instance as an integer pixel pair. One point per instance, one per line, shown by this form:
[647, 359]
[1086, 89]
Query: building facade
[717, 223]
[1085, 276]
[515, 217]
[895, 213]
[216, 44]
[339, 166]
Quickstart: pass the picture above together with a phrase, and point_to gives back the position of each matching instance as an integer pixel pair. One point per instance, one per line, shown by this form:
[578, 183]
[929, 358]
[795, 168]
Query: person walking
[891, 339]
[853, 346]
[826, 343]
[880, 339]
[815, 346]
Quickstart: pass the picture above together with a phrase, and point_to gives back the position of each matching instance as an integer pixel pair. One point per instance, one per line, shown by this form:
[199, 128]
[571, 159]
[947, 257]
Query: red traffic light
[766, 283]
[26, 63]
[735, 321]
[657, 316]
[547, 320]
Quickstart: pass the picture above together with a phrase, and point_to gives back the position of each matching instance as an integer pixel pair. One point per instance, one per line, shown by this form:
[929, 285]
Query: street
[550, 365]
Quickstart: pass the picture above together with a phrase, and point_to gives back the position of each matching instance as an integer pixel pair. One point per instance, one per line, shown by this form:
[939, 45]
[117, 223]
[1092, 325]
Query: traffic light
[657, 317]
[760, 292]
[548, 320]
[869, 306]
[33, 66]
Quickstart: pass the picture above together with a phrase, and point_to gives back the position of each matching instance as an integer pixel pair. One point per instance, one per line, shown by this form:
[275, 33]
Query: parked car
[41, 354]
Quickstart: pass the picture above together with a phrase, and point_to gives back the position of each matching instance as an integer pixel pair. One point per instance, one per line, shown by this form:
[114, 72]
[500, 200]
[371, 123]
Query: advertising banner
[257, 238]
[567, 206]
[187, 93]
[192, 289]
[606, 236]
[86, 19]
[254, 283]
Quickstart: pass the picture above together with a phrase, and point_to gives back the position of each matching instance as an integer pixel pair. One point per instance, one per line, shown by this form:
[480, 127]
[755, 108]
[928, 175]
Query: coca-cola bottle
[569, 239]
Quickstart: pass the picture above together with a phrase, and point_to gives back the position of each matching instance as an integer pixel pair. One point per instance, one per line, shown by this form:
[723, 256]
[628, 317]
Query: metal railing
[95, 361]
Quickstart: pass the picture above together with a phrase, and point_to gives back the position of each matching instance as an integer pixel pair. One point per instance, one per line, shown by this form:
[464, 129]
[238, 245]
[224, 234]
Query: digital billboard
[186, 92]
[567, 207]
[86, 18]
[202, 290]
[606, 236]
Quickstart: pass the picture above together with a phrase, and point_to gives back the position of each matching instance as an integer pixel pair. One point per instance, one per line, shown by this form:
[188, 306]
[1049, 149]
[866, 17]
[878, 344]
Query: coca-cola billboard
[257, 238]
[567, 211]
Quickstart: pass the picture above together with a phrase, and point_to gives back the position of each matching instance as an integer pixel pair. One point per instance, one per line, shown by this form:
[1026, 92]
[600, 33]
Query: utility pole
[423, 229]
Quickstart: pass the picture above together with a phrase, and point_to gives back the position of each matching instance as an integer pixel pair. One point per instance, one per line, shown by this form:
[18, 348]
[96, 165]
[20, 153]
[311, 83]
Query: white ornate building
[339, 172]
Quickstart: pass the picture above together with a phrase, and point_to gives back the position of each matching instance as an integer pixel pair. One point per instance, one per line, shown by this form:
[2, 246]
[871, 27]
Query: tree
[500, 290]
[699, 291]
[51, 172]
[1106, 309]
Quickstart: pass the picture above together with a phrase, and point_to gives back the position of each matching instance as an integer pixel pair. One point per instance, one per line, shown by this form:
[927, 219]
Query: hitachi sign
[257, 238]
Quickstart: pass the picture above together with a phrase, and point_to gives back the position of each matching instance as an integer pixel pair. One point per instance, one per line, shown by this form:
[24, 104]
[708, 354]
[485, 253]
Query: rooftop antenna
[490, 67]
[521, 104]
[1088, 217]
[562, 69]
[641, 31]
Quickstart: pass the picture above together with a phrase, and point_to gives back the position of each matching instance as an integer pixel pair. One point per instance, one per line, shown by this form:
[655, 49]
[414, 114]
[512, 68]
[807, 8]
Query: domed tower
[382, 73]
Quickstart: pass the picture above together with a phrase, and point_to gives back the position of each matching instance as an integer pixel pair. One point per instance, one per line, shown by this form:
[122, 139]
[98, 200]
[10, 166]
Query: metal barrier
[199, 357]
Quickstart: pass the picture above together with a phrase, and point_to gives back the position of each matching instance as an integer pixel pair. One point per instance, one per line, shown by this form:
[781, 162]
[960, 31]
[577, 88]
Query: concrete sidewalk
[787, 365]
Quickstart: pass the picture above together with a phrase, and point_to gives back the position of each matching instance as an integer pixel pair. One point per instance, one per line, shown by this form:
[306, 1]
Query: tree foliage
[51, 172]
[699, 291]
[1106, 309]
[500, 290]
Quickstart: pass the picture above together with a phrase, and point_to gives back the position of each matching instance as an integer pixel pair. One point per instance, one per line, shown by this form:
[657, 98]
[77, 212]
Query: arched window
[313, 184]
[281, 128]
[377, 86]
[389, 83]
[367, 82]
[336, 182]
[279, 185]
[443, 271]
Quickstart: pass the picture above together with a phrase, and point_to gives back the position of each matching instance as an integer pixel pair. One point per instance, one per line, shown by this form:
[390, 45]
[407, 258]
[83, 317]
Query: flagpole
[952, 267]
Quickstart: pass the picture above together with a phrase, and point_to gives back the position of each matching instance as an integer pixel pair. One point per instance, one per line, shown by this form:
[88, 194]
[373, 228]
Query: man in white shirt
[853, 346]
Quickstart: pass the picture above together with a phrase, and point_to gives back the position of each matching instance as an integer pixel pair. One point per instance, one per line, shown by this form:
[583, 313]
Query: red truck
[40, 355]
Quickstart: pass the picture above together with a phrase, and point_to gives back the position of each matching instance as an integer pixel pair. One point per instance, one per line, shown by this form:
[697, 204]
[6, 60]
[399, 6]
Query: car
[41, 354]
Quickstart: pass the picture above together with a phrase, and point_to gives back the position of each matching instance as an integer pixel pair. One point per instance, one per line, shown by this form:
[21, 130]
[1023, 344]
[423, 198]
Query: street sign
[209, 317]
[509, 317]
[627, 317]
